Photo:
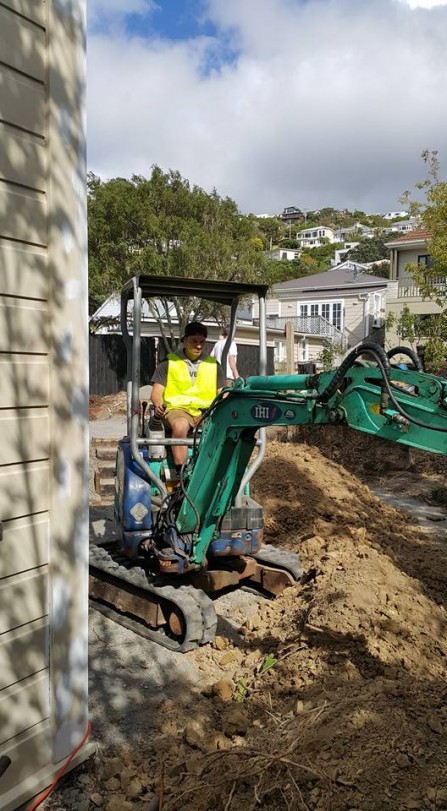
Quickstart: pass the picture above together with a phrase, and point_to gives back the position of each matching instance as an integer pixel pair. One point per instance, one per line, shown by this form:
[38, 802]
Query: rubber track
[281, 559]
[195, 606]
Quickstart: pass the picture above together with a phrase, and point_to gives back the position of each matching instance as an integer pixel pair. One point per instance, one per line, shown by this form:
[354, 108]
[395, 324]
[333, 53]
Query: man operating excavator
[184, 385]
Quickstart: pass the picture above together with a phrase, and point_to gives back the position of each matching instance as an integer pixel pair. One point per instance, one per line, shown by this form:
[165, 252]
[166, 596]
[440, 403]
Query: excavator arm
[404, 406]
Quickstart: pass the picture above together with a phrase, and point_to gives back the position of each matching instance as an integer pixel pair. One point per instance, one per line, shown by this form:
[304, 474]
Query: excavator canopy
[212, 290]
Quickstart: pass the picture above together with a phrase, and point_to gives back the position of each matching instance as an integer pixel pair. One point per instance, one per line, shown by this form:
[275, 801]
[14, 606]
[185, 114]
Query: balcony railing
[407, 287]
[310, 325]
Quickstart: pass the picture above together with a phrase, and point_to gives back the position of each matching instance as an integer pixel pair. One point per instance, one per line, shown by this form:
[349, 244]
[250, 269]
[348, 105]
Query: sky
[273, 103]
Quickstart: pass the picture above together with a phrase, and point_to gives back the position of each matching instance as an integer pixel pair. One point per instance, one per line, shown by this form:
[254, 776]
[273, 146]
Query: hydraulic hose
[371, 348]
[384, 366]
[404, 350]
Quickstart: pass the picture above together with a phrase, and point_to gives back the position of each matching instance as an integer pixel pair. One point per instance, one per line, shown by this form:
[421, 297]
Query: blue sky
[172, 19]
[273, 102]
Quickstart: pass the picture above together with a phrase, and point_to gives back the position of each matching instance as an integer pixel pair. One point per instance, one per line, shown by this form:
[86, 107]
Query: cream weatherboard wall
[43, 393]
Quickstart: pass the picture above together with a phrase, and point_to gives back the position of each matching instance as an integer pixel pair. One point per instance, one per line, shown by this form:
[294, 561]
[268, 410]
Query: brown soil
[333, 697]
[352, 713]
[103, 407]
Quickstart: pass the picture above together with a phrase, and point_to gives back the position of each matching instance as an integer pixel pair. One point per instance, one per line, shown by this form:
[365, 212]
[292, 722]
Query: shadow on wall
[43, 395]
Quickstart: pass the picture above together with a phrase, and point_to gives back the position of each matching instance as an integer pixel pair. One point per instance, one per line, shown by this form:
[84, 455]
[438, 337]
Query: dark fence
[108, 359]
[108, 363]
[248, 360]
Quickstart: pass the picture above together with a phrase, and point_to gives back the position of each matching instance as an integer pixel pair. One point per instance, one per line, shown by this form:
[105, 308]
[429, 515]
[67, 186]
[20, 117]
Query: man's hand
[157, 399]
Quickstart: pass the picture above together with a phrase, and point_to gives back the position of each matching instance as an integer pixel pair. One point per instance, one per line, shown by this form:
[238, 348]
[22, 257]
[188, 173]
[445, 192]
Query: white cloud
[427, 4]
[329, 102]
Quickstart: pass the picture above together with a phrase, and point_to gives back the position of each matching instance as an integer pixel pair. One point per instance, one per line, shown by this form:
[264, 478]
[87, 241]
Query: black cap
[195, 328]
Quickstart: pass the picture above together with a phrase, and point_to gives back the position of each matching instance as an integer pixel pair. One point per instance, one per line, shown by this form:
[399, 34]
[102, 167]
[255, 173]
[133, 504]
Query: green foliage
[271, 229]
[288, 243]
[429, 332]
[370, 250]
[330, 355]
[269, 661]
[241, 689]
[163, 225]
[432, 213]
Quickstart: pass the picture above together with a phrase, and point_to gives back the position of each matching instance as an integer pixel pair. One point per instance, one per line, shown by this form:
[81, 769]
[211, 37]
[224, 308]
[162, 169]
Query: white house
[403, 227]
[283, 253]
[394, 215]
[353, 232]
[315, 237]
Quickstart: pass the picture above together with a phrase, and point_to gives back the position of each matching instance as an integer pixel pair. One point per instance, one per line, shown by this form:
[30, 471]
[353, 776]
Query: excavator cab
[145, 472]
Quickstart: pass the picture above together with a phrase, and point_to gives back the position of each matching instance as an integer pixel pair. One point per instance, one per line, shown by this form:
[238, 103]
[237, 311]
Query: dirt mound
[331, 698]
[365, 455]
[336, 690]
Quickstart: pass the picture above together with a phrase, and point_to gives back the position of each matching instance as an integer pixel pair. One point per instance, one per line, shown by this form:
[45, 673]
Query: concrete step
[106, 453]
[106, 469]
[105, 487]
[103, 442]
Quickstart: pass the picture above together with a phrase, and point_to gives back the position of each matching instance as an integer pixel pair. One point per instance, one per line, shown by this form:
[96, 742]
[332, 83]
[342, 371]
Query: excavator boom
[408, 407]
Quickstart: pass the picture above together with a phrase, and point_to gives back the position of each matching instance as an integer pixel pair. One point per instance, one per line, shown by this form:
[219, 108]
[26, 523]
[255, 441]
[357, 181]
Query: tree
[370, 250]
[272, 230]
[432, 214]
[162, 225]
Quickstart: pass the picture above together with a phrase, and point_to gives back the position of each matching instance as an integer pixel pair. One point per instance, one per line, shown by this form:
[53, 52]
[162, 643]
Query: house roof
[421, 235]
[340, 277]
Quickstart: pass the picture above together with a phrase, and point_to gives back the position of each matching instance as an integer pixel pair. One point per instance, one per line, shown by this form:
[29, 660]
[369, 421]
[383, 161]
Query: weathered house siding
[43, 393]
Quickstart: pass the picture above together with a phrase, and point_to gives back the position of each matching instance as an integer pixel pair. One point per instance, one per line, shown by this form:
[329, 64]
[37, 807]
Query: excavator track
[193, 619]
[280, 559]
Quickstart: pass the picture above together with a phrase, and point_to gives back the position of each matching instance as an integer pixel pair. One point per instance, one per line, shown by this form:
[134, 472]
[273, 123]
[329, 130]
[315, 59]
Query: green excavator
[187, 536]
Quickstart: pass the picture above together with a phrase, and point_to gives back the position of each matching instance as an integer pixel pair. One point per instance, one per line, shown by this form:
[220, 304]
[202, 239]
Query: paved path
[433, 519]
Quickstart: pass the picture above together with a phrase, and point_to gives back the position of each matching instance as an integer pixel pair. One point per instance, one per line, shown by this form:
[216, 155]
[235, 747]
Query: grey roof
[330, 279]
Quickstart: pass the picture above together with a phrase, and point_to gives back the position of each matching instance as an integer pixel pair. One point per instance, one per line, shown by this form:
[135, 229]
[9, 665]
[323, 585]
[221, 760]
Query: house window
[326, 311]
[303, 351]
[336, 314]
[314, 309]
[303, 310]
[424, 260]
[377, 304]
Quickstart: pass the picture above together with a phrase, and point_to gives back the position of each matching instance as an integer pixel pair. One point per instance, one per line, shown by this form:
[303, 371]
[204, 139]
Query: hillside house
[403, 227]
[292, 215]
[315, 237]
[408, 250]
[342, 307]
[281, 254]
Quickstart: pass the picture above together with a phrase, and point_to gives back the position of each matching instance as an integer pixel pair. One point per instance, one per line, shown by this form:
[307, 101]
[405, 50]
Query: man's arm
[232, 365]
[157, 398]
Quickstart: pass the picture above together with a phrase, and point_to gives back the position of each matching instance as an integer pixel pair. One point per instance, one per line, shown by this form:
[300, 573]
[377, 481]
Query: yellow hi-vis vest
[181, 392]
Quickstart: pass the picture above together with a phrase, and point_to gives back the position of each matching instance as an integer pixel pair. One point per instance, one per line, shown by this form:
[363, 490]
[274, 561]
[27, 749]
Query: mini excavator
[186, 536]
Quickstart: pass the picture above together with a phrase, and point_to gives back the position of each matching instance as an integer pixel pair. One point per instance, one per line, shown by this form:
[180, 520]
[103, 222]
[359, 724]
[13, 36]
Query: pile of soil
[330, 698]
[337, 691]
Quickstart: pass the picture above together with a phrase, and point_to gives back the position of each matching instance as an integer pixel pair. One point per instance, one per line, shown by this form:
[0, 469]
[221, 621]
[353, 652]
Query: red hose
[63, 768]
